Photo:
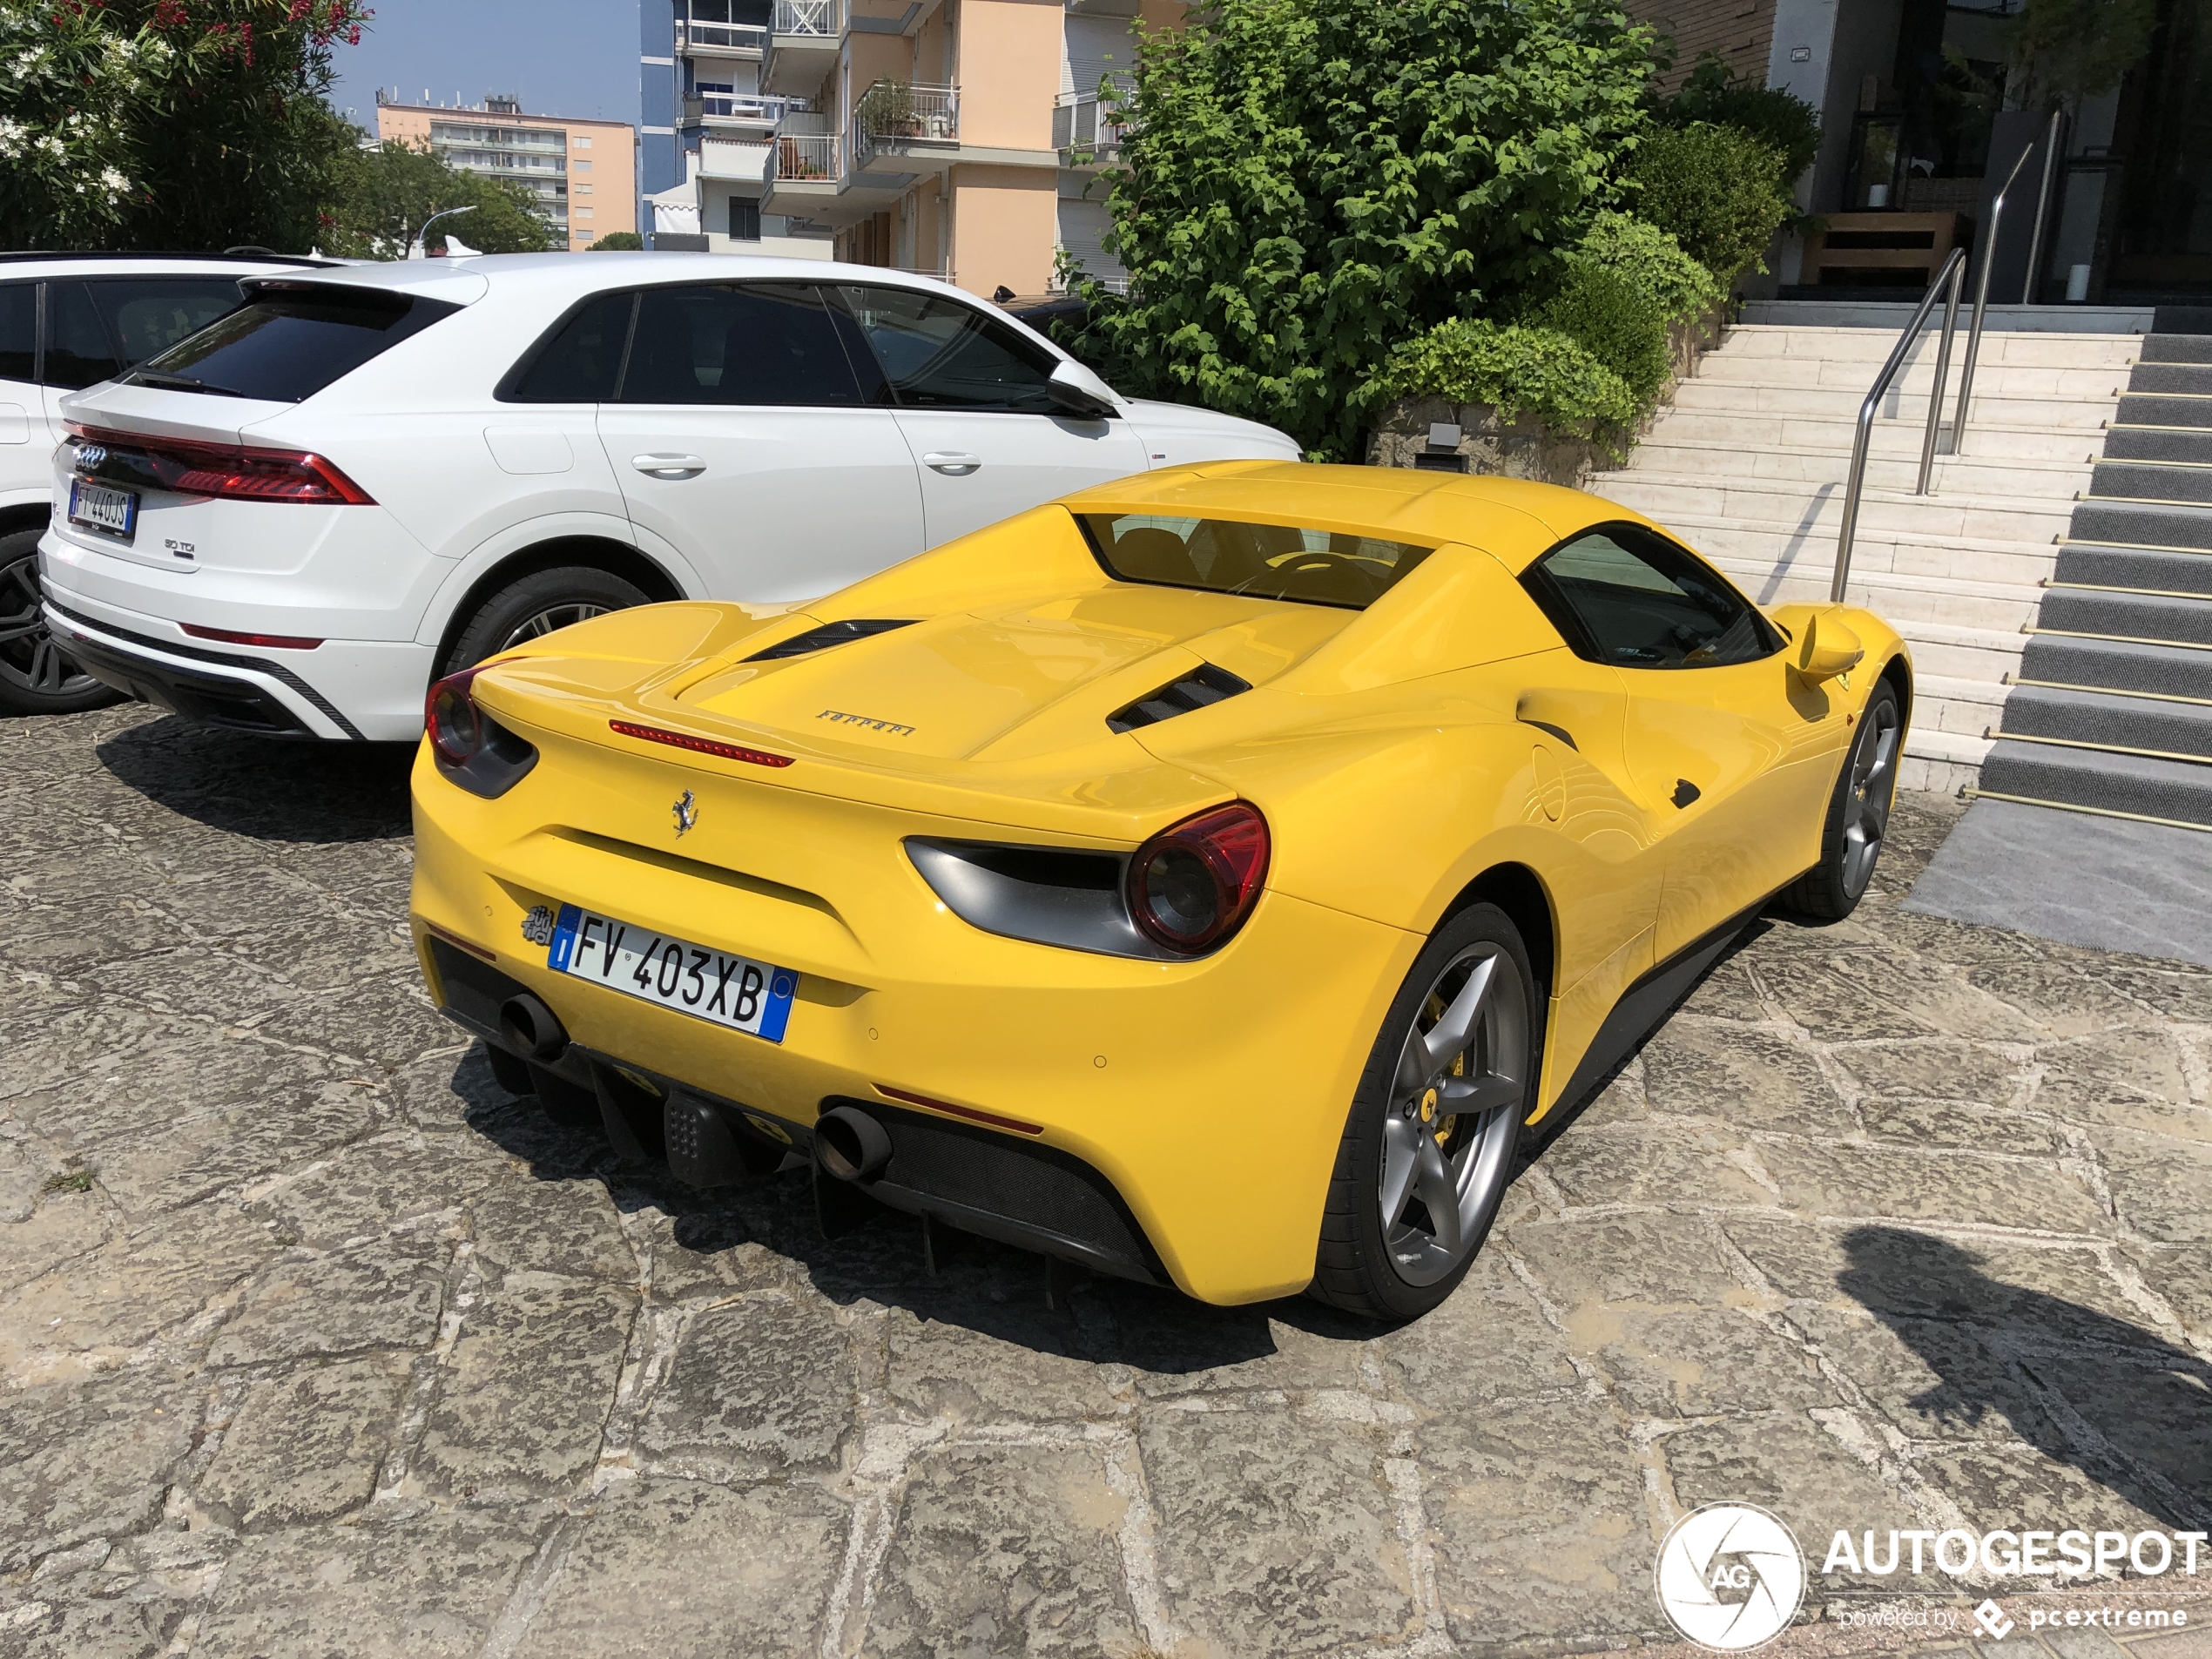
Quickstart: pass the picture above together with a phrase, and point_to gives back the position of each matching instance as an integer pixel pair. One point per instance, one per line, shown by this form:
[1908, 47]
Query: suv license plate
[111, 512]
[735, 991]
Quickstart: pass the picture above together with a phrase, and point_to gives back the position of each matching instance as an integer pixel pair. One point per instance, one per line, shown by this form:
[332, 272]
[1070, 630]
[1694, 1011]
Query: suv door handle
[952, 462]
[669, 466]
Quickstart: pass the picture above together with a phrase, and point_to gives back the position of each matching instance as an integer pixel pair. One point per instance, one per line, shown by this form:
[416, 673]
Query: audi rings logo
[1730, 1576]
[90, 455]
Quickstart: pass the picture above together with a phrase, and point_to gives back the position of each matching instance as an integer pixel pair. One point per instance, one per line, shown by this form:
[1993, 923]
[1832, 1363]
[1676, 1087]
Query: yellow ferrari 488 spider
[1204, 879]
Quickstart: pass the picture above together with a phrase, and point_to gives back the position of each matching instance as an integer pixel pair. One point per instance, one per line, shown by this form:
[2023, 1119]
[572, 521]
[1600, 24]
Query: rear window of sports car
[1306, 566]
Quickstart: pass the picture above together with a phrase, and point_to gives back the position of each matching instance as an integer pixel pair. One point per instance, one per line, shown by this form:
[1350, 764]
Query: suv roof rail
[235, 255]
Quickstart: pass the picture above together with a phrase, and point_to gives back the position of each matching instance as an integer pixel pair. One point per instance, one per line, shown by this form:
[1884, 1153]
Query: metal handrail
[1987, 238]
[1949, 279]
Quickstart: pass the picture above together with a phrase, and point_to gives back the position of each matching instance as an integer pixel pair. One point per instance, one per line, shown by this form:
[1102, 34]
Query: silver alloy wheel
[546, 621]
[1873, 787]
[1448, 1131]
[30, 657]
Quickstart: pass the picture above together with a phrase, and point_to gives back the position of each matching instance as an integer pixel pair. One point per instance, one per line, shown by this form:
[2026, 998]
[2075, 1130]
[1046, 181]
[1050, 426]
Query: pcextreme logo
[1730, 1576]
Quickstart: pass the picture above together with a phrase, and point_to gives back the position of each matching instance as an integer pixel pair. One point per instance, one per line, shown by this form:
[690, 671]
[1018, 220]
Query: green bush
[1307, 182]
[1718, 191]
[1605, 313]
[1520, 369]
[1714, 96]
[619, 242]
[1651, 262]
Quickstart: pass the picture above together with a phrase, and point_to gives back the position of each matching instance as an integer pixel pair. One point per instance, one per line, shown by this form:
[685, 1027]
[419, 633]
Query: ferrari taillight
[1191, 886]
[229, 472]
[456, 726]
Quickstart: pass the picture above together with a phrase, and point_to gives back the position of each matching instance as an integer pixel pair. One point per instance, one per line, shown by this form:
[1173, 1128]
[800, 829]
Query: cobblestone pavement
[315, 1342]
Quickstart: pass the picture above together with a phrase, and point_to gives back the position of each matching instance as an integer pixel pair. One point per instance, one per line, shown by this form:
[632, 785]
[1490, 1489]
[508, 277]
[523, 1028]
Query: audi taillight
[1191, 886]
[228, 472]
[456, 726]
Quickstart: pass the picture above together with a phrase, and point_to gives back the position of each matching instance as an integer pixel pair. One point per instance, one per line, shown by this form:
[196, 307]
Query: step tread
[1812, 488]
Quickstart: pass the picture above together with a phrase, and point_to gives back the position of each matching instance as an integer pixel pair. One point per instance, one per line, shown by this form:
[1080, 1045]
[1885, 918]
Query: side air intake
[830, 633]
[1203, 684]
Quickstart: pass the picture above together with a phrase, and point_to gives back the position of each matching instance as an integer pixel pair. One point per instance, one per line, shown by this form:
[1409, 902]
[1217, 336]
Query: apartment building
[962, 139]
[582, 175]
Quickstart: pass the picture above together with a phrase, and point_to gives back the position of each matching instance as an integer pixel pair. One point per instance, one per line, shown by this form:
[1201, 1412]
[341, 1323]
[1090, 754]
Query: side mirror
[1080, 392]
[1822, 644]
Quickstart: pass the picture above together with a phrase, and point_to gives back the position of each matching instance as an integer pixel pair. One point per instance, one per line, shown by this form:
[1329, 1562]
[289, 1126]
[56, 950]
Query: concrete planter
[1524, 447]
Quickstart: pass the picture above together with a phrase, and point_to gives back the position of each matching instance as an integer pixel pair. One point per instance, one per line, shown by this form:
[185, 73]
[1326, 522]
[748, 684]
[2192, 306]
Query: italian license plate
[735, 991]
[112, 512]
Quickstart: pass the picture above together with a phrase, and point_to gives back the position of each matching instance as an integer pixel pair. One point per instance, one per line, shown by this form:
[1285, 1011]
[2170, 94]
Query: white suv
[296, 520]
[67, 321]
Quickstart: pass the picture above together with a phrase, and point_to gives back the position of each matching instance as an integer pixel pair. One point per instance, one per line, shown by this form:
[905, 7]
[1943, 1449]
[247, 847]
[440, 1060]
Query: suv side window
[773, 343]
[147, 316]
[581, 362]
[79, 352]
[1620, 594]
[19, 331]
[938, 353]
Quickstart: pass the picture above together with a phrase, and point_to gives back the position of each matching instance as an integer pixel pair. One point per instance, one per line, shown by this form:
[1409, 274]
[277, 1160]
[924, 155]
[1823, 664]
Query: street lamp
[422, 236]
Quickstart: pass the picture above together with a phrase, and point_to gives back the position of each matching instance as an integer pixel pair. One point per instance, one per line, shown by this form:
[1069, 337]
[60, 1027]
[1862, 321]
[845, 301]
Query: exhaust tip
[851, 1145]
[531, 1028]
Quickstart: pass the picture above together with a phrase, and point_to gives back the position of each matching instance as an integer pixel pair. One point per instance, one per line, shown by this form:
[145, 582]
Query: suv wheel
[537, 604]
[36, 676]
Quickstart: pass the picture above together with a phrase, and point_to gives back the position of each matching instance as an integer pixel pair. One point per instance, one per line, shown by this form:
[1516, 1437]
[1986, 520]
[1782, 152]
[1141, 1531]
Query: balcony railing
[1087, 129]
[805, 158]
[746, 39]
[890, 113]
[822, 17]
[748, 109]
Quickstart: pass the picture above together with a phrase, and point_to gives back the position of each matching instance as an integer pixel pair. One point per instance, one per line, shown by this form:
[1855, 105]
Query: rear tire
[1858, 816]
[1428, 1146]
[535, 605]
[36, 676]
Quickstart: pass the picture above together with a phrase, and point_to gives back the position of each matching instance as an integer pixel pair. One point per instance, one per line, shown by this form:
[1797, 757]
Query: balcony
[903, 127]
[813, 162]
[1088, 131]
[735, 161]
[804, 38]
[746, 40]
[738, 111]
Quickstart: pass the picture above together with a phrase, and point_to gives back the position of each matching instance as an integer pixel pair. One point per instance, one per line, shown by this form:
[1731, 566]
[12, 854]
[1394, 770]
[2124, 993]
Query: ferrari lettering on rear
[842, 719]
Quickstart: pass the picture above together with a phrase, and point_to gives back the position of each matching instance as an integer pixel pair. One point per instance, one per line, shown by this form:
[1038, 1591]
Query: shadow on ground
[274, 789]
[1985, 1338]
[984, 1286]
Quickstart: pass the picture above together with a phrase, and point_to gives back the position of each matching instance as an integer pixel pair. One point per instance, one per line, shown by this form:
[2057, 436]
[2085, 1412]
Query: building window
[744, 219]
[580, 166]
[583, 144]
[580, 213]
[583, 190]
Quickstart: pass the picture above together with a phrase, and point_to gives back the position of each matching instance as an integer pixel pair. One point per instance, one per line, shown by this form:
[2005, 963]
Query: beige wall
[602, 173]
[1009, 74]
[1003, 223]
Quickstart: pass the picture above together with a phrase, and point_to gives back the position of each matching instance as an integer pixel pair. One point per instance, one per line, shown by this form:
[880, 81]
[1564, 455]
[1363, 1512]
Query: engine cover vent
[830, 633]
[1203, 684]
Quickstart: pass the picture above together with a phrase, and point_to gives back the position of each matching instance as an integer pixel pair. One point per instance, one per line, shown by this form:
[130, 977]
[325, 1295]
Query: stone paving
[315, 1342]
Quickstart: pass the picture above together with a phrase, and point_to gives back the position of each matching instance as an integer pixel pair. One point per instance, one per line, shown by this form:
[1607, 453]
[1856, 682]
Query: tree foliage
[381, 197]
[178, 124]
[1310, 183]
[619, 242]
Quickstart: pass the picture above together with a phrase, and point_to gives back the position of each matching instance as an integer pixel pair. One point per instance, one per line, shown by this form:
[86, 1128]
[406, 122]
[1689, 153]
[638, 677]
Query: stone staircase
[2111, 709]
[1747, 466]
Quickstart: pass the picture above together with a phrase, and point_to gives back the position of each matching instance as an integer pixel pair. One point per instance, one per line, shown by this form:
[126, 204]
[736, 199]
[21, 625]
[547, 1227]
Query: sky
[573, 57]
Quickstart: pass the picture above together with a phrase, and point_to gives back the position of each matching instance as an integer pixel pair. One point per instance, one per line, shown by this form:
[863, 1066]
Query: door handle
[669, 466]
[952, 462]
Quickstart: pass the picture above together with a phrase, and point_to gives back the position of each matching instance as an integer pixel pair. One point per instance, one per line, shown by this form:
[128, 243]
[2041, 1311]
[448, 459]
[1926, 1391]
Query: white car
[68, 320]
[365, 478]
